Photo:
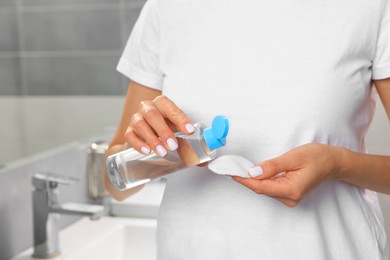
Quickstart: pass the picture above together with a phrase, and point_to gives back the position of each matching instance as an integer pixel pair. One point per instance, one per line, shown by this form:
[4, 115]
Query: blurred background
[58, 81]
[59, 85]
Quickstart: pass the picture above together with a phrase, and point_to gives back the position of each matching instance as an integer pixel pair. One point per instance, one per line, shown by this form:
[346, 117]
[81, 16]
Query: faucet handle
[45, 180]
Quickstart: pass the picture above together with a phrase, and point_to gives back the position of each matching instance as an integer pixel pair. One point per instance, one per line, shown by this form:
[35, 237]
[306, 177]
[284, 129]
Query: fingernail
[161, 151]
[190, 128]
[145, 150]
[172, 144]
[255, 172]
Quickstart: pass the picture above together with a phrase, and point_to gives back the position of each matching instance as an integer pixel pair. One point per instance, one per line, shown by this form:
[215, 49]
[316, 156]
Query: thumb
[272, 167]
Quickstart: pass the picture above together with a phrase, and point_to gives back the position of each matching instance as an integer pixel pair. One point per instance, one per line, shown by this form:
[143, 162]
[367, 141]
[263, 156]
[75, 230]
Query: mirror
[58, 81]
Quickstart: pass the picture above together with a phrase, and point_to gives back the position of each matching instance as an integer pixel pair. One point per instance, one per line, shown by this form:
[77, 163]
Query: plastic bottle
[129, 168]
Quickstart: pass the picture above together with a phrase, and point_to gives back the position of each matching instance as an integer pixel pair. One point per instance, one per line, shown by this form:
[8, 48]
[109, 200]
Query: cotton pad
[233, 165]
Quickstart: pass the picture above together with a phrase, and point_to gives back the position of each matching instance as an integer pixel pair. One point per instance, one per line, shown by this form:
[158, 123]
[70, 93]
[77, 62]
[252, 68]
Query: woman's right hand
[152, 127]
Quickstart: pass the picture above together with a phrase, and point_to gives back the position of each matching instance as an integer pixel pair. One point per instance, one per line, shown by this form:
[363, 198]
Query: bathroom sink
[143, 204]
[107, 238]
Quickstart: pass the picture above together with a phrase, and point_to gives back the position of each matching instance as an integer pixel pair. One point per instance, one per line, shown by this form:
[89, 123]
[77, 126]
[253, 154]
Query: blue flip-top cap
[215, 136]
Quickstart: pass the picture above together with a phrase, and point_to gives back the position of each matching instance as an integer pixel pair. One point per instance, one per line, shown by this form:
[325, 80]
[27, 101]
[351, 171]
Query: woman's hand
[145, 125]
[307, 166]
[152, 126]
[291, 176]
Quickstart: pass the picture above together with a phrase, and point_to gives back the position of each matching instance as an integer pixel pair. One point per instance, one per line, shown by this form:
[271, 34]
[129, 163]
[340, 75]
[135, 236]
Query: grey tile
[135, 1]
[11, 130]
[66, 2]
[10, 83]
[62, 114]
[73, 76]
[72, 30]
[7, 3]
[8, 31]
[13, 151]
[125, 84]
[131, 16]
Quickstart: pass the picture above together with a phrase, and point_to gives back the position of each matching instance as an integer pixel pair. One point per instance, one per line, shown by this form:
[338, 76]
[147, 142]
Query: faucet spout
[46, 211]
[70, 208]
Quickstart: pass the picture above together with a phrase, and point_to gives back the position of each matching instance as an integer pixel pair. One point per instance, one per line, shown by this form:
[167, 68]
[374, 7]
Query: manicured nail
[172, 144]
[161, 151]
[255, 172]
[145, 150]
[190, 128]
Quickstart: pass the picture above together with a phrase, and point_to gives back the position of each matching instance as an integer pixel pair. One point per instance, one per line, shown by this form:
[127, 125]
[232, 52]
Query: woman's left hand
[291, 176]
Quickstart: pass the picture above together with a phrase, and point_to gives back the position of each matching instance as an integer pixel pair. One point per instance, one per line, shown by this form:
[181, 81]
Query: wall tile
[8, 31]
[7, 3]
[69, 118]
[10, 83]
[131, 16]
[72, 30]
[13, 150]
[134, 1]
[35, 146]
[32, 124]
[66, 2]
[10, 118]
[125, 84]
[11, 131]
[73, 76]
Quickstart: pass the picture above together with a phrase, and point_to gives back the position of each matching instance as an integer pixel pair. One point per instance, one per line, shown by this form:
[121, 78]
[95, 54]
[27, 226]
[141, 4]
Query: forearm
[364, 170]
[136, 94]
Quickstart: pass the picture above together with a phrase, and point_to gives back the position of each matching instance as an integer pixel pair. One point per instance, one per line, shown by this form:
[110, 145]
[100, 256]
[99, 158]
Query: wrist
[342, 163]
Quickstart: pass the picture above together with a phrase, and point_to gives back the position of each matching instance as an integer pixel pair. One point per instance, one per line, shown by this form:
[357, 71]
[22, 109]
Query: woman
[298, 81]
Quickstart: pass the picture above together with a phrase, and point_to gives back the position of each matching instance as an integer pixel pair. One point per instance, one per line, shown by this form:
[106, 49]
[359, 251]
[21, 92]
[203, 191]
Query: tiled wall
[32, 124]
[64, 47]
[58, 81]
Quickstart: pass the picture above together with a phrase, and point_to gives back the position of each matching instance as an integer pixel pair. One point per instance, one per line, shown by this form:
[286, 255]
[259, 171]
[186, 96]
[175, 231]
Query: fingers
[288, 202]
[271, 187]
[302, 168]
[142, 138]
[282, 187]
[137, 143]
[272, 167]
[174, 114]
[153, 125]
[203, 164]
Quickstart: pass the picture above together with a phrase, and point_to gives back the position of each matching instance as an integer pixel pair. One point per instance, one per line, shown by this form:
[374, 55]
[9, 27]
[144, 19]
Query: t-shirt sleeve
[140, 59]
[381, 63]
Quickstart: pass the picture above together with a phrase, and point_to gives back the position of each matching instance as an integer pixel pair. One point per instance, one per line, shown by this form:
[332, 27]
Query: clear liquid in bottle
[129, 168]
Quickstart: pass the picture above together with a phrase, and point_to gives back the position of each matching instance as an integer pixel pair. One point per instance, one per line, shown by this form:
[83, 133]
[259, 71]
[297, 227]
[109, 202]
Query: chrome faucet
[46, 210]
[96, 166]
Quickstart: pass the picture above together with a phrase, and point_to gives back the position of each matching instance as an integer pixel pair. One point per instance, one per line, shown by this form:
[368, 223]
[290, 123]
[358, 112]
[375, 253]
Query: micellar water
[129, 168]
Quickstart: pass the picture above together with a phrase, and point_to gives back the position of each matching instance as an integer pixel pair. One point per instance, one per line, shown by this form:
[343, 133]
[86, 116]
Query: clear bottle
[129, 168]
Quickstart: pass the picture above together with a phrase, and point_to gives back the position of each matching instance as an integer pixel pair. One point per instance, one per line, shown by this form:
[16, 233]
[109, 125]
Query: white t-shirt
[285, 73]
